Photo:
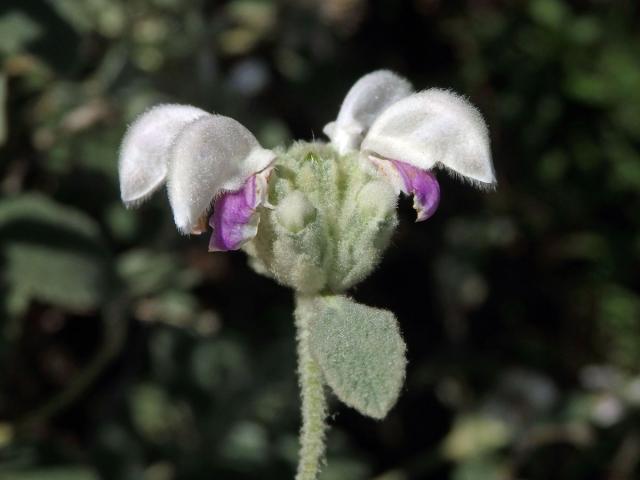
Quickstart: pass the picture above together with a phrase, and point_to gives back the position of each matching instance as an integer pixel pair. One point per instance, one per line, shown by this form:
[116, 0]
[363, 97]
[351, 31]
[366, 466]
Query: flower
[204, 159]
[386, 140]
[319, 222]
[406, 135]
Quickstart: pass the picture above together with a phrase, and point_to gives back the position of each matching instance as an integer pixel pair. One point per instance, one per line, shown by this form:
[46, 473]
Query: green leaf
[549, 13]
[475, 435]
[3, 108]
[17, 30]
[360, 352]
[482, 468]
[51, 253]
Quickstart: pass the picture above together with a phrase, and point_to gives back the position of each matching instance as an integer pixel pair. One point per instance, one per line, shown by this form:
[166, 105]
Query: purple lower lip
[234, 219]
[424, 187]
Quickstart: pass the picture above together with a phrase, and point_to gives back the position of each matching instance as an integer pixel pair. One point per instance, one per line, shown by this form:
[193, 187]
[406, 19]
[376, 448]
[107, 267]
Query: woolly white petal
[367, 99]
[433, 128]
[210, 155]
[145, 147]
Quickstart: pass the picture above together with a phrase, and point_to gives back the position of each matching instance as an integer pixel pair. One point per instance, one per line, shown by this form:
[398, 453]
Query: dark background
[129, 352]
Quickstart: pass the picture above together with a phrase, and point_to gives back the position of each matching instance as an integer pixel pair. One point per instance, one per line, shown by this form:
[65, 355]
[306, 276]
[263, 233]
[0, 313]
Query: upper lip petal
[144, 151]
[434, 128]
[368, 97]
[210, 155]
[198, 154]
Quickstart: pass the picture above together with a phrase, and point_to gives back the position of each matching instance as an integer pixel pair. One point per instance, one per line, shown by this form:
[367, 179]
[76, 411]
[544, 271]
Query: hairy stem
[314, 407]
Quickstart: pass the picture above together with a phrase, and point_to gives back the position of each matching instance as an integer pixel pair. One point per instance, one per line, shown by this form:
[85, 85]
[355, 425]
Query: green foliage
[474, 436]
[51, 253]
[154, 416]
[3, 114]
[481, 469]
[55, 473]
[619, 320]
[16, 31]
[360, 352]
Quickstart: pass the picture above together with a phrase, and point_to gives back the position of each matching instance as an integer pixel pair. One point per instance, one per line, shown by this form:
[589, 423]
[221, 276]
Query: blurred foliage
[127, 352]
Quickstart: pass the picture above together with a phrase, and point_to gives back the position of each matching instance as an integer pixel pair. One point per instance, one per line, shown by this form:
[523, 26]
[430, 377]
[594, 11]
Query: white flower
[407, 135]
[212, 161]
[370, 95]
[202, 158]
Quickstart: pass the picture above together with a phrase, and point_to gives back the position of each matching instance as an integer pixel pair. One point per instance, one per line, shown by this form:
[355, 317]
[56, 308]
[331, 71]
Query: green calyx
[329, 219]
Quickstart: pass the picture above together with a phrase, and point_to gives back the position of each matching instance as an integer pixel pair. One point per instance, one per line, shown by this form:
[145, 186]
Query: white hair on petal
[210, 155]
[435, 128]
[367, 99]
[144, 150]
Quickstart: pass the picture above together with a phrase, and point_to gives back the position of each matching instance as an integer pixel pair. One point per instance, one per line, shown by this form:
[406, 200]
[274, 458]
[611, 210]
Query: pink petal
[234, 219]
[424, 187]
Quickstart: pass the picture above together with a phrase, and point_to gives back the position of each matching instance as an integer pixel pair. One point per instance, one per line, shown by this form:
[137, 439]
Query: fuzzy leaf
[360, 352]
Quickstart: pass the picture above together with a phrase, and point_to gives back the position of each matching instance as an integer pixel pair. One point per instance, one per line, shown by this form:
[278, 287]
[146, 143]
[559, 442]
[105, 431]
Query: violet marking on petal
[234, 220]
[423, 185]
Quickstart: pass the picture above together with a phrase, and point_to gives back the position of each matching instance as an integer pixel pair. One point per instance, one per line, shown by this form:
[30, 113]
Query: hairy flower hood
[199, 155]
[407, 135]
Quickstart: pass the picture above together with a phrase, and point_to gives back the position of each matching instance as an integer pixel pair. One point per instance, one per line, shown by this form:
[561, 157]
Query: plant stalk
[314, 406]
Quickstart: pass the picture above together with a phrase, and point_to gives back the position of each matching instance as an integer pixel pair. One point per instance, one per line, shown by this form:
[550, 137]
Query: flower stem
[314, 406]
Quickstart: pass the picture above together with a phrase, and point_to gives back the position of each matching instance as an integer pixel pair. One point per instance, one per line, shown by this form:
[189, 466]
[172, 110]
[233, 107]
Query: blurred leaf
[550, 13]
[37, 208]
[85, 15]
[52, 253]
[360, 352]
[35, 26]
[67, 279]
[147, 272]
[3, 109]
[475, 435]
[343, 468]
[122, 222]
[481, 469]
[6, 435]
[17, 30]
[246, 444]
[51, 473]
[590, 88]
[219, 366]
[173, 307]
[274, 134]
[257, 14]
[156, 417]
[619, 323]
[585, 30]
[581, 245]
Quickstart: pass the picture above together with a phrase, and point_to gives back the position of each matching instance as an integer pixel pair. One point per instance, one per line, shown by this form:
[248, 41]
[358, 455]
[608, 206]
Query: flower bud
[295, 212]
[377, 200]
[331, 221]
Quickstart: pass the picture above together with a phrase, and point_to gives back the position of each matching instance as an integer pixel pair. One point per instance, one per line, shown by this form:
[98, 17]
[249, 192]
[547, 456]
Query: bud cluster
[326, 221]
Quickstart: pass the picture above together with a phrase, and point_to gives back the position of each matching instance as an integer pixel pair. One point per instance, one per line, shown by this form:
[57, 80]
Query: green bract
[327, 221]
